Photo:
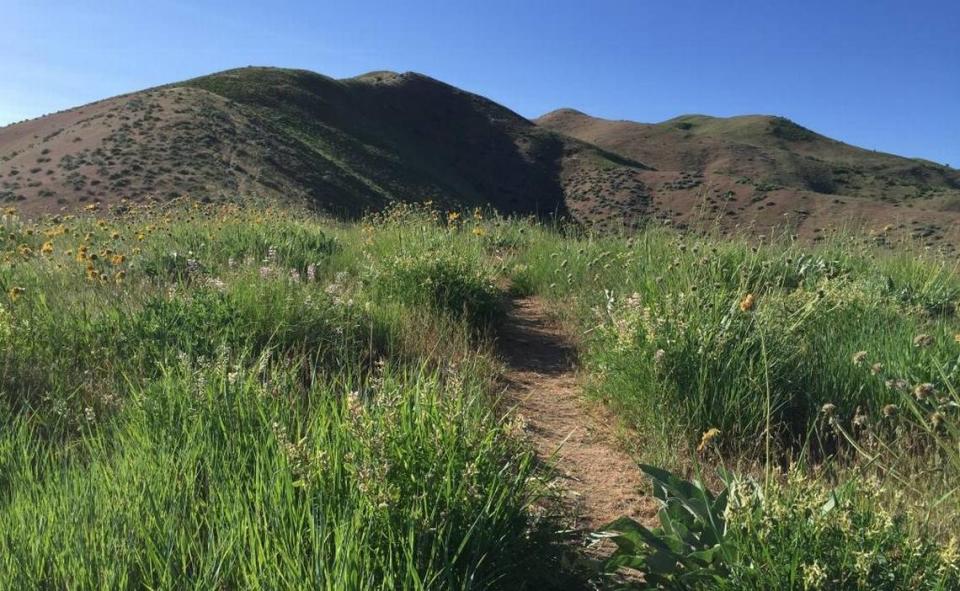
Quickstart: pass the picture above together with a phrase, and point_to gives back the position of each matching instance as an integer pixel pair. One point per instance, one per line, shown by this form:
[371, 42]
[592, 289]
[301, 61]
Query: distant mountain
[351, 145]
[345, 146]
[764, 171]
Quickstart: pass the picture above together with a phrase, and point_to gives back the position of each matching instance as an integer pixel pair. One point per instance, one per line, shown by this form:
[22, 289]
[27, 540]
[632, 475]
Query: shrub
[449, 281]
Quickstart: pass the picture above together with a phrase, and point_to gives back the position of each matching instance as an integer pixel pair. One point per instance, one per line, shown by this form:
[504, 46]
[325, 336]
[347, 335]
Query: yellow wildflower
[747, 303]
[708, 436]
[47, 248]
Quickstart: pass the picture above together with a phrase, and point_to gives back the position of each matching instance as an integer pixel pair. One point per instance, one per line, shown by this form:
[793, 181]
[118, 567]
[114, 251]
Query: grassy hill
[343, 146]
[764, 171]
[357, 144]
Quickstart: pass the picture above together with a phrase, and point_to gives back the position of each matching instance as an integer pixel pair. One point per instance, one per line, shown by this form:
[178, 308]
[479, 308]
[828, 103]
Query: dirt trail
[599, 481]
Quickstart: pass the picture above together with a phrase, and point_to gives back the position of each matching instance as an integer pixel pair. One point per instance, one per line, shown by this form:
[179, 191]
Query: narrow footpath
[599, 482]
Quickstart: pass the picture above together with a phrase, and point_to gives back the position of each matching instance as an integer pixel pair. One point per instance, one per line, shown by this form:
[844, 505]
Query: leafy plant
[689, 548]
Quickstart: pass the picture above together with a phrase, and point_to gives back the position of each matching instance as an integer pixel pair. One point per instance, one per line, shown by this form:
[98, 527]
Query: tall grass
[247, 397]
[670, 344]
[237, 398]
[835, 368]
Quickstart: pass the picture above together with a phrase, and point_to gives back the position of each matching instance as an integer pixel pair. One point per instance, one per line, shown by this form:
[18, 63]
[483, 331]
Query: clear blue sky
[877, 73]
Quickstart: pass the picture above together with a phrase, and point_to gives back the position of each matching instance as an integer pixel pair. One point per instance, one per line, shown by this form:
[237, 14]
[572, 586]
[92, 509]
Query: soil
[598, 481]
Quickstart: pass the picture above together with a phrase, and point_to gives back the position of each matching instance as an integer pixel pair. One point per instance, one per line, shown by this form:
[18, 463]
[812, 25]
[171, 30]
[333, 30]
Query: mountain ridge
[350, 145]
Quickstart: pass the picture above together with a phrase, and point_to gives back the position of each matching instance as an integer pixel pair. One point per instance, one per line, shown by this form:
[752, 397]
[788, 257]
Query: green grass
[824, 366]
[246, 407]
[245, 397]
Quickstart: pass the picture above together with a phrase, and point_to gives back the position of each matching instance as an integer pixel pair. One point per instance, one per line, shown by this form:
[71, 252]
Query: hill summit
[344, 146]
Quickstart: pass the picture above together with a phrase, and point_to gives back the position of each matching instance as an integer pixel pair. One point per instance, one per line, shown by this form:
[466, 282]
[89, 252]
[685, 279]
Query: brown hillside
[762, 172]
[347, 146]
[344, 146]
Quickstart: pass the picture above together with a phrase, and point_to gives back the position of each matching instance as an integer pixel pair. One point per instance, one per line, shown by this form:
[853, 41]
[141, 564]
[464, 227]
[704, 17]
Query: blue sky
[877, 73]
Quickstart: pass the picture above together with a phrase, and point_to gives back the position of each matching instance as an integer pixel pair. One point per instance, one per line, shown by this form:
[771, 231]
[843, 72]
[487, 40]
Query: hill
[344, 146]
[762, 171]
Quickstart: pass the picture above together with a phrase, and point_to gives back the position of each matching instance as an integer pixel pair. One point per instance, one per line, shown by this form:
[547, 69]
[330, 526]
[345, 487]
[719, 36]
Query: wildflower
[950, 557]
[956, 337]
[115, 235]
[354, 403]
[47, 248]
[478, 231]
[15, 292]
[708, 436]
[118, 259]
[859, 357]
[311, 272]
[890, 410]
[922, 391]
[922, 340]
[453, 216]
[120, 276]
[828, 408]
[747, 303]
[876, 368]
[658, 356]
[813, 576]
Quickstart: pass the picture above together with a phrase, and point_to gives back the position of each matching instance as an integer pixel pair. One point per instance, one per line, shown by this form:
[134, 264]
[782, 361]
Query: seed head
[922, 391]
